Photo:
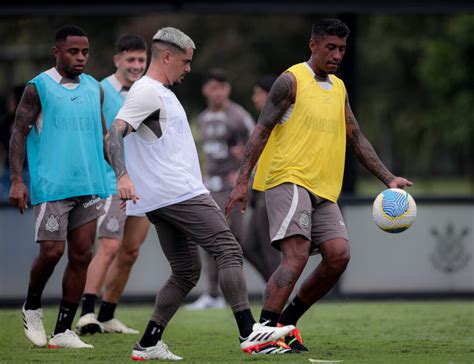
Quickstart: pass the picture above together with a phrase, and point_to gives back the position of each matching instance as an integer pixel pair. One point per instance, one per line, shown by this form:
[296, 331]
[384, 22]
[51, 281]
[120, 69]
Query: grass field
[354, 332]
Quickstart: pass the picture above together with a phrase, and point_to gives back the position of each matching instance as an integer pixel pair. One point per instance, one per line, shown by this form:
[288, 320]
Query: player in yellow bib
[307, 121]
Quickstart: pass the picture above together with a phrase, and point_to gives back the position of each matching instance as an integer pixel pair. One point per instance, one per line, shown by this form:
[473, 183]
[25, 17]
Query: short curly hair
[324, 27]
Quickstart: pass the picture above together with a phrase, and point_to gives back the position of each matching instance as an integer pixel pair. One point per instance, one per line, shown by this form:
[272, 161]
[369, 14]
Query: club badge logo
[52, 223]
[450, 255]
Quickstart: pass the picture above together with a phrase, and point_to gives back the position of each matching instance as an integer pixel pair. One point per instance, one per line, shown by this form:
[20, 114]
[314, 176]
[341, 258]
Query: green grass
[355, 332]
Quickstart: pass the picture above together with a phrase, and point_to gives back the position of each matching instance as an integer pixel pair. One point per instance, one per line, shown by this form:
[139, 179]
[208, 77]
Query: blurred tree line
[413, 84]
[416, 97]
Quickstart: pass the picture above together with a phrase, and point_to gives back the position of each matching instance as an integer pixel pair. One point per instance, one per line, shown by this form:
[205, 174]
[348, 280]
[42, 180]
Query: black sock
[106, 311]
[88, 303]
[152, 334]
[271, 317]
[293, 312]
[245, 322]
[33, 300]
[67, 311]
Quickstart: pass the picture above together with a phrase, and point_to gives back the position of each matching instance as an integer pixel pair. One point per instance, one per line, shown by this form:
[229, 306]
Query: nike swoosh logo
[74, 98]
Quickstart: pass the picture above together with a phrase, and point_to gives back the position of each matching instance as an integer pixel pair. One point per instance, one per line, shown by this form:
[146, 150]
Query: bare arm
[115, 152]
[114, 146]
[280, 98]
[26, 115]
[366, 154]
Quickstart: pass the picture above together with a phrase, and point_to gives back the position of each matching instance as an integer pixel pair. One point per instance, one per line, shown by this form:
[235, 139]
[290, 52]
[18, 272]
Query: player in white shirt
[161, 178]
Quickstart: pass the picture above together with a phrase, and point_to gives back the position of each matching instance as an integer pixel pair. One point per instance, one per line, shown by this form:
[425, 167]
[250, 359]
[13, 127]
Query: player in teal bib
[72, 129]
[59, 119]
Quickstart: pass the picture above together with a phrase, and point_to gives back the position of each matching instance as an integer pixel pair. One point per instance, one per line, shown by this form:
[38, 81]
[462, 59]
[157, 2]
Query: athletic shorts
[112, 223]
[54, 219]
[293, 210]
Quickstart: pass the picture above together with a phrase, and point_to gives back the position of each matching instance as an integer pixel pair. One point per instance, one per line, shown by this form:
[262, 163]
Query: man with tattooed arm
[162, 178]
[307, 112]
[60, 119]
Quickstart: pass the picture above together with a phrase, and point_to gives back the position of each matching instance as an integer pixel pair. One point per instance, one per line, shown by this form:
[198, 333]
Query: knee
[80, 259]
[230, 253]
[297, 258]
[194, 275]
[295, 252]
[109, 248]
[52, 255]
[188, 276]
[128, 257]
[338, 261]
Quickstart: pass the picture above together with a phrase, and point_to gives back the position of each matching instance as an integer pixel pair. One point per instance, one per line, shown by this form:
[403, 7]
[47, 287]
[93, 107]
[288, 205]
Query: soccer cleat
[275, 348]
[88, 324]
[159, 351]
[262, 334]
[33, 325]
[206, 301]
[116, 326]
[67, 339]
[294, 340]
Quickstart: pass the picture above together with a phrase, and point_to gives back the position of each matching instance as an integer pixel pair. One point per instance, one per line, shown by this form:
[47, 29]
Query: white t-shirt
[161, 156]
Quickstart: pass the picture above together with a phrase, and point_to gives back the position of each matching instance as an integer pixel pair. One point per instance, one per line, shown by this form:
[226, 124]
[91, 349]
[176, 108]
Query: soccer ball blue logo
[394, 210]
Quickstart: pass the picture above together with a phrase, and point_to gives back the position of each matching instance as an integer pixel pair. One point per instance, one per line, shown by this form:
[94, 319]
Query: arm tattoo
[363, 150]
[26, 115]
[280, 98]
[114, 146]
[253, 149]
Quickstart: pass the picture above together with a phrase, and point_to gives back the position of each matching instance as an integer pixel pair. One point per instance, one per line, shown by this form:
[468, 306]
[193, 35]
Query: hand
[238, 194]
[399, 182]
[126, 189]
[18, 196]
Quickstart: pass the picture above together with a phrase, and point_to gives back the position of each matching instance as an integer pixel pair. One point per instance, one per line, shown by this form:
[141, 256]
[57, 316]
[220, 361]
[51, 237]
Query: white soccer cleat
[262, 334]
[115, 326]
[34, 328]
[88, 324]
[68, 339]
[159, 351]
[206, 301]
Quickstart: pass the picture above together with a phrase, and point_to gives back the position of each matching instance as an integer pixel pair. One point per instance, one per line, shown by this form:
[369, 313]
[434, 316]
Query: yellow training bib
[309, 148]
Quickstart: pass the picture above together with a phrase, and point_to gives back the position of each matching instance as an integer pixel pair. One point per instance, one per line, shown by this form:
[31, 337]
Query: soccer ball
[394, 210]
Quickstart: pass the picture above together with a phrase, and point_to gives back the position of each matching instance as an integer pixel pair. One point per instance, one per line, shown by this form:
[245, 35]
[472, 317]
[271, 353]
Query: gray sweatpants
[236, 225]
[181, 228]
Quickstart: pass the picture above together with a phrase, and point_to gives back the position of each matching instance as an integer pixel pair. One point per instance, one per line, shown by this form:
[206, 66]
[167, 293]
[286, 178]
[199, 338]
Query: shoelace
[265, 327]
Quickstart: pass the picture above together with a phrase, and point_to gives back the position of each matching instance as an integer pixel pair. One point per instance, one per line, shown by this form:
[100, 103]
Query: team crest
[305, 220]
[450, 254]
[52, 223]
[113, 224]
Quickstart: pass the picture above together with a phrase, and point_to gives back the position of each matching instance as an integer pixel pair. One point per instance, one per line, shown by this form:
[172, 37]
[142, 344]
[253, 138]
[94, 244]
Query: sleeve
[139, 104]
